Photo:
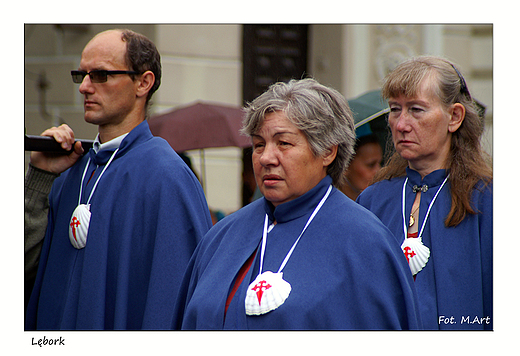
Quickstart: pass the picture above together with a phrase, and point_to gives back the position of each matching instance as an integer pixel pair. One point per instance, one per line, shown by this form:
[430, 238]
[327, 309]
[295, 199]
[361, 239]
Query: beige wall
[200, 62]
[203, 62]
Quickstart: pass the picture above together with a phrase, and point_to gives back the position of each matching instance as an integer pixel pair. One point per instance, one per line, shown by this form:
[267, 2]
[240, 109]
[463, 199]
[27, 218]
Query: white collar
[114, 143]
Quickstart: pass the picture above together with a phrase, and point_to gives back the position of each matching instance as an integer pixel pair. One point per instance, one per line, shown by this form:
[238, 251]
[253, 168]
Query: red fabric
[240, 277]
[92, 175]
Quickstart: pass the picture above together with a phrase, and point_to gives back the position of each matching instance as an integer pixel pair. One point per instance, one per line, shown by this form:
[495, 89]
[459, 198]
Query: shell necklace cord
[80, 220]
[416, 253]
[269, 290]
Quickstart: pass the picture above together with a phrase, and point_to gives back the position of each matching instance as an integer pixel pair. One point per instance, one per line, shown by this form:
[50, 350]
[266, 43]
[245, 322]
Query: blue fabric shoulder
[346, 254]
[148, 213]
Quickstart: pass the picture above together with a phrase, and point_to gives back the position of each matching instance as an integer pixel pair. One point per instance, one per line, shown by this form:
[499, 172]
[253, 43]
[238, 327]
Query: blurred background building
[233, 63]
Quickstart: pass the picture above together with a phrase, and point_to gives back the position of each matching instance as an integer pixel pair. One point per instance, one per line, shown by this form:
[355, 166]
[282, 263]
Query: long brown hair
[467, 163]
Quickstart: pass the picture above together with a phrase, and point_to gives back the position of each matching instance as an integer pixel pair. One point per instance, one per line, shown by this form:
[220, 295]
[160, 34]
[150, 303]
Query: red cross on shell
[259, 289]
[416, 253]
[78, 227]
[267, 292]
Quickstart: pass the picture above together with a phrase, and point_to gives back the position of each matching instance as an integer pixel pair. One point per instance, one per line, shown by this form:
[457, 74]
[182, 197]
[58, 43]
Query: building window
[272, 53]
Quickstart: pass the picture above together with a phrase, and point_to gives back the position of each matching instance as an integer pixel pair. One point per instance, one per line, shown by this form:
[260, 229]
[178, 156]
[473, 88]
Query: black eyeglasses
[96, 76]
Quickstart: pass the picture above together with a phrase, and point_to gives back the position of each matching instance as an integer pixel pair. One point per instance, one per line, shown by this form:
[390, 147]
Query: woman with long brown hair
[435, 193]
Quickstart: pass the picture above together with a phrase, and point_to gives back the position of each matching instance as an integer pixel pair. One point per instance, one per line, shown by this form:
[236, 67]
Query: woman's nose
[402, 122]
[268, 156]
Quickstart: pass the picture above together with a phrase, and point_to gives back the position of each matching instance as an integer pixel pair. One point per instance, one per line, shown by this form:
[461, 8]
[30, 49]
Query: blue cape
[148, 214]
[455, 288]
[347, 271]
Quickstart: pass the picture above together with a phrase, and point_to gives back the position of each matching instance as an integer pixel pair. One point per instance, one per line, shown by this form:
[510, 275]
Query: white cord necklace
[416, 253]
[80, 220]
[269, 290]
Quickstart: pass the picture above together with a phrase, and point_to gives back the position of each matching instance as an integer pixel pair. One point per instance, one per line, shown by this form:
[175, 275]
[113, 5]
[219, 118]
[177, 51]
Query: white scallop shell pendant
[78, 227]
[267, 292]
[416, 253]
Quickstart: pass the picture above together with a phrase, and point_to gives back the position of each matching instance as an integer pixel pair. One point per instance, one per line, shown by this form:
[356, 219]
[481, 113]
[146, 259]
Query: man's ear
[330, 155]
[458, 113]
[145, 83]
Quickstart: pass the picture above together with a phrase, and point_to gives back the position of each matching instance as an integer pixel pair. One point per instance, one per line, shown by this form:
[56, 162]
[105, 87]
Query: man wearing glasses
[124, 218]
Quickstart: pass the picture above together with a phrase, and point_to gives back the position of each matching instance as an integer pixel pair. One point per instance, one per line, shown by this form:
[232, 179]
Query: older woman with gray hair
[304, 256]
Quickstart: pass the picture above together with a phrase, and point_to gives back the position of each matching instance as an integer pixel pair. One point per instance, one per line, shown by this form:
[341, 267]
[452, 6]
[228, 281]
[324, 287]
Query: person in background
[304, 256]
[123, 219]
[365, 163]
[435, 193]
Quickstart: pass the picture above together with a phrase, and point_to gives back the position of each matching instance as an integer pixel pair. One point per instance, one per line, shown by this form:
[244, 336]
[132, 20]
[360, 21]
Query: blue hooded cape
[148, 214]
[347, 272]
[455, 288]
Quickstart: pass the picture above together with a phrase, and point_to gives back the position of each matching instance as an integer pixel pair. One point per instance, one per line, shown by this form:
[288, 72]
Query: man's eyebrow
[92, 69]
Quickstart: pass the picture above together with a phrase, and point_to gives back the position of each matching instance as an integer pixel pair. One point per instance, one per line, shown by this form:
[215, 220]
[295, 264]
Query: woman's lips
[405, 142]
[271, 179]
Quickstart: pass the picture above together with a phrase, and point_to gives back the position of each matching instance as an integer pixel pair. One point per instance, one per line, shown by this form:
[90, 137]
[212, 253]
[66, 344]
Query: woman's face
[284, 165]
[365, 165]
[422, 128]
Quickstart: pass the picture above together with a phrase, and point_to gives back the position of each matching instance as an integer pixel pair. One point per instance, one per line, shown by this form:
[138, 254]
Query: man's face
[107, 104]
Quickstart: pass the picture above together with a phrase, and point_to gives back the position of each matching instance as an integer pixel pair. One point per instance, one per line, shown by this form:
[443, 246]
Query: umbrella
[367, 107]
[370, 113]
[200, 125]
